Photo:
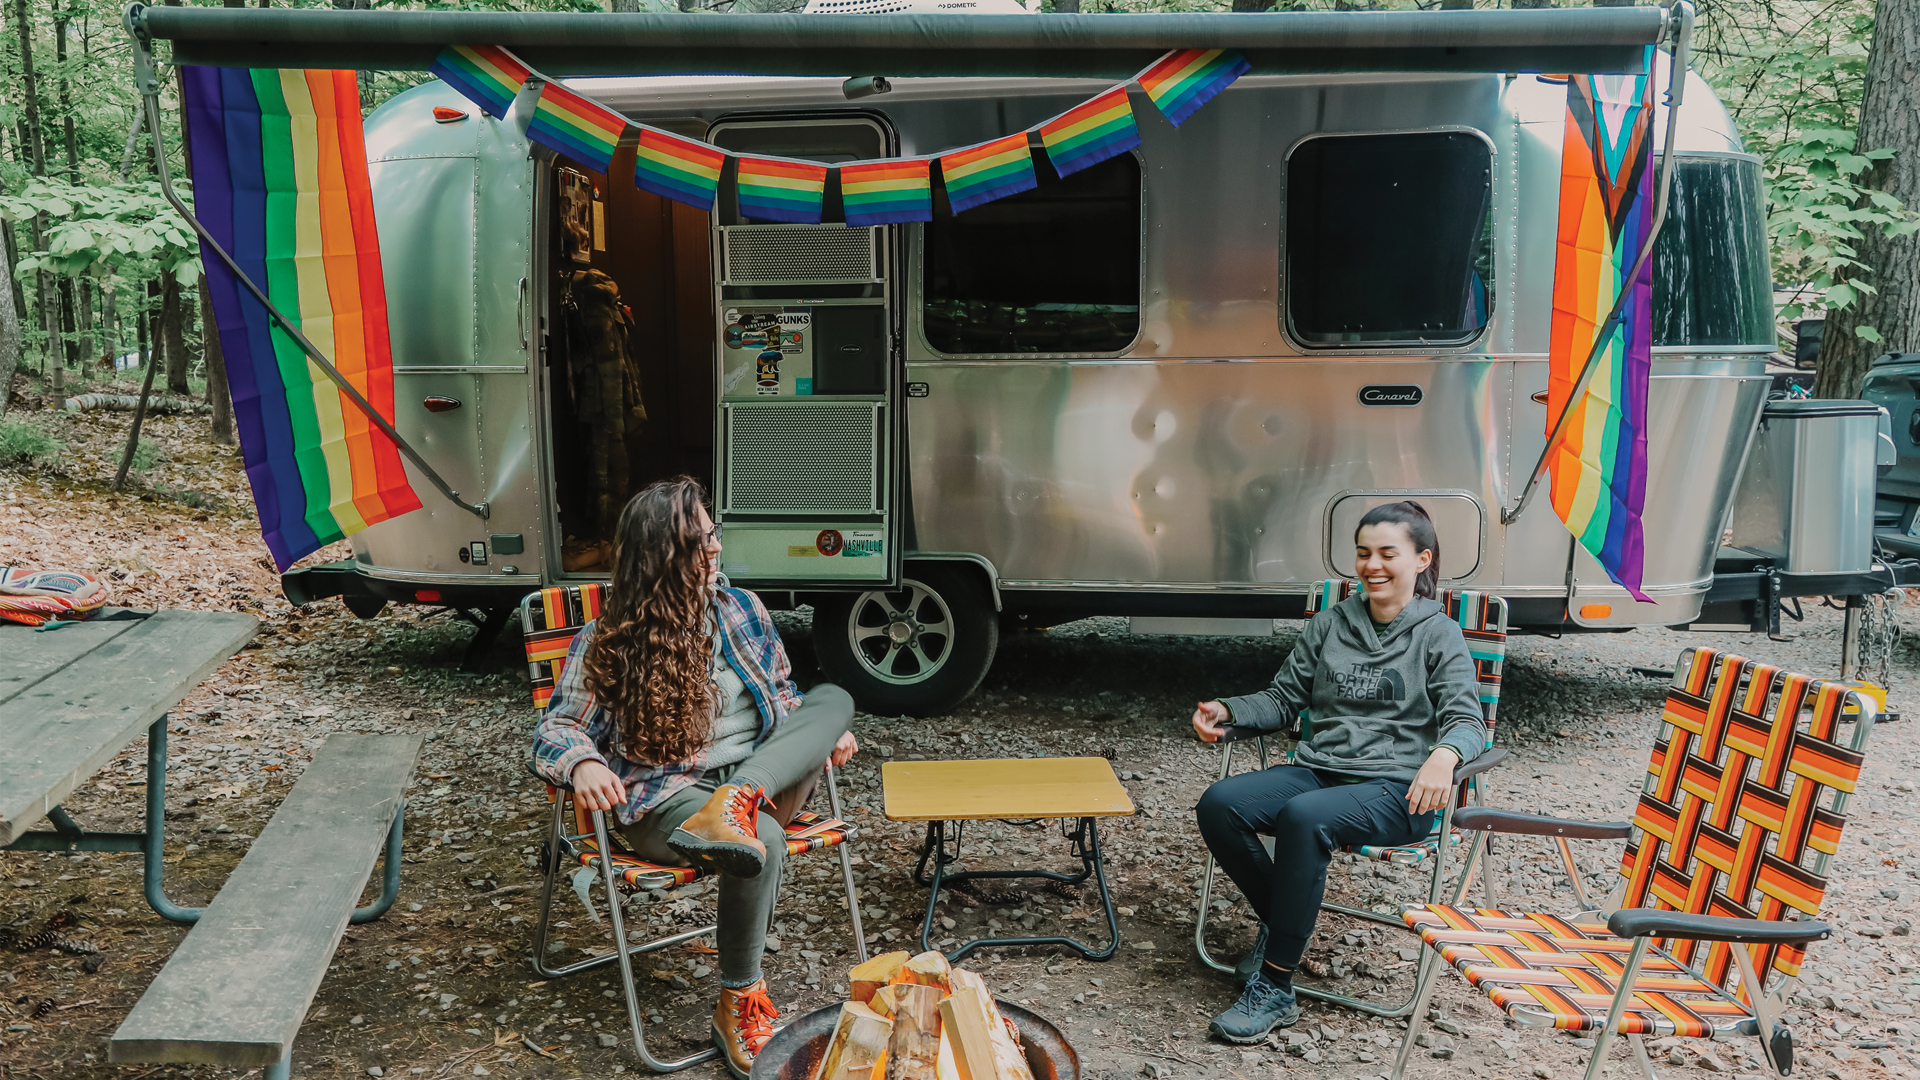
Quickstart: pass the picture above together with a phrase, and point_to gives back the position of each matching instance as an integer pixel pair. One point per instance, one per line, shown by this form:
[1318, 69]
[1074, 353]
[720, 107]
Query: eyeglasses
[714, 534]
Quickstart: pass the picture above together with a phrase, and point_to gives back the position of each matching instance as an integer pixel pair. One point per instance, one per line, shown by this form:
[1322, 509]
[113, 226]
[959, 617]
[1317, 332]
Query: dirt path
[441, 987]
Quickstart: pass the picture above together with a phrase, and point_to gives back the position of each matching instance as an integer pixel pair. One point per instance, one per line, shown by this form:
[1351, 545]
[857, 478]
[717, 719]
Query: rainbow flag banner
[579, 127]
[1091, 132]
[679, 169]
[1185, 79]
[490, 77]
[1598, 464]
[989, 171]
[889, 190]
[280, 181]
[781, 189]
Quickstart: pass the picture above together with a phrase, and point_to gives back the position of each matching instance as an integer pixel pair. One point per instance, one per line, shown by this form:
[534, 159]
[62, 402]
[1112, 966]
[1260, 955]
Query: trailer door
[807, 361]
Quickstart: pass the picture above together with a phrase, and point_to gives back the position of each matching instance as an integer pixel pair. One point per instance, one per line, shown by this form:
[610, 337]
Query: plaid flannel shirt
[575, 728]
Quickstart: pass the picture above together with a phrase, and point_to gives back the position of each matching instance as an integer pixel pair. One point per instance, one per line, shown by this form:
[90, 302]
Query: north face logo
[1368, 683]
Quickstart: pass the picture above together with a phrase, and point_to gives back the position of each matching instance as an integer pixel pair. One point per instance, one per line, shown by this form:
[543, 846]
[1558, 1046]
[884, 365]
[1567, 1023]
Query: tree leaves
[106, 230]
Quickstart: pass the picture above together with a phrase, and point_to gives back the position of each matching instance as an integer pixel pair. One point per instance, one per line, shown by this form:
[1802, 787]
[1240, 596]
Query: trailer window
[1712, 282]
[1389, 239]
[1052, 270]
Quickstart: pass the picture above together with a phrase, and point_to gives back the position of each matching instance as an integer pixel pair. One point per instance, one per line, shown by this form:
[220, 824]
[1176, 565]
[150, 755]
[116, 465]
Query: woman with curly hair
[675, 711]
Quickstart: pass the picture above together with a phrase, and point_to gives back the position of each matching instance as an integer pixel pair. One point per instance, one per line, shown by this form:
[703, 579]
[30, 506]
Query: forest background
[101, 275]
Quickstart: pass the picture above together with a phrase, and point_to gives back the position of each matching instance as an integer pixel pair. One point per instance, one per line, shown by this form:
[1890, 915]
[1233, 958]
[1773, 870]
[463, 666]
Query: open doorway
[630, 337]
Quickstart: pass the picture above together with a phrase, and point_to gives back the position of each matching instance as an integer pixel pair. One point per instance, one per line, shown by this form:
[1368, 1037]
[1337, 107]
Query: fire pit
[795, 1052]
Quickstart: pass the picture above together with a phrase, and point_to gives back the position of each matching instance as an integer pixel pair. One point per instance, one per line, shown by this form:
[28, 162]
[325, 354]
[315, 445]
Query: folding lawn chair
[1742, 806]
[1483, 619]
[550, 618]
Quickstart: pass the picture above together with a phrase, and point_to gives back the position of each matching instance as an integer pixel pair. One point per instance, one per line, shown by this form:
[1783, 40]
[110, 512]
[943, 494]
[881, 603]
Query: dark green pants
[789, 763]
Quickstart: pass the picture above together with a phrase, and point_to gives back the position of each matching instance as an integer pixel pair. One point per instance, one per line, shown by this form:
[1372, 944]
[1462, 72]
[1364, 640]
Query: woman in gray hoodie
[1385, 679]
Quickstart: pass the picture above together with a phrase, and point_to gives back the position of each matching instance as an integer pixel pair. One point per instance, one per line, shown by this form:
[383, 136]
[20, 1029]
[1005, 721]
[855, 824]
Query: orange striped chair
[550, 618]
[1724, 871]
[1483, 619]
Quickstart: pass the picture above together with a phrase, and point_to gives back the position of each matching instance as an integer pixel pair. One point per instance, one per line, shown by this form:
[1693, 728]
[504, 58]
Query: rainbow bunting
[579, 127]
[280, 181]
[1091, 132]
[490, 77]
[895, 189]
[781, 189]
[1598, 464]
[679, 169]
[1185, 79]
[989, 171]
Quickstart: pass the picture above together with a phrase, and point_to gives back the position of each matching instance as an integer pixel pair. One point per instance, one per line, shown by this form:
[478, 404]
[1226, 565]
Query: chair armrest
[1645, 922]
[1234, 734]
[1487, 760]
[1483, 819]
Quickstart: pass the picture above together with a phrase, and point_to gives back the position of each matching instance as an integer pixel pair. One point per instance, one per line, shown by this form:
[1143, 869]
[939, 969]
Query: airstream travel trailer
[1165, 387]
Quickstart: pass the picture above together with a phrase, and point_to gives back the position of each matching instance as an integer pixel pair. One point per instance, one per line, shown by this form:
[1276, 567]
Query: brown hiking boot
[742, 1024]
[721, 836]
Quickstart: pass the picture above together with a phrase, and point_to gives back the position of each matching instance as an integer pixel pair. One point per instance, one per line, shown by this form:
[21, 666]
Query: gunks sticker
[1402, 396]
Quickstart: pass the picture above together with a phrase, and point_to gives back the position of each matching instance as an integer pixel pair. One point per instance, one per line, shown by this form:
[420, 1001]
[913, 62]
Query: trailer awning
[1612, 39]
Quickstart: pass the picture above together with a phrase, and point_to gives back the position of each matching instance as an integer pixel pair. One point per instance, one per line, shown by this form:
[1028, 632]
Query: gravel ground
[441, 987]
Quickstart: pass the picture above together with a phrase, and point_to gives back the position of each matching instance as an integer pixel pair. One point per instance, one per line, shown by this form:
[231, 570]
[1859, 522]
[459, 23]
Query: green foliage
[102, 230]
[26, 442]
[146, 454]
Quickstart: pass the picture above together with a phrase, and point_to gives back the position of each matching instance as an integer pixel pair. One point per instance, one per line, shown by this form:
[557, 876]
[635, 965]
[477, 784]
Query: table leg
[157, 829]
[1084, 843]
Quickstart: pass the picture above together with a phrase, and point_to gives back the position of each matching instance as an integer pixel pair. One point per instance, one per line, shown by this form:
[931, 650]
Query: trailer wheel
[918, 650]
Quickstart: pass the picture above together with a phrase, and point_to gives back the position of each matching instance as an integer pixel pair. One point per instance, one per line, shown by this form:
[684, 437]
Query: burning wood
[918, 1018]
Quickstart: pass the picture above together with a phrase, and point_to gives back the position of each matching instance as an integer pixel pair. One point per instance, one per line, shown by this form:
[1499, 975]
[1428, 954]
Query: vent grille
[803, 459]
[771, 255]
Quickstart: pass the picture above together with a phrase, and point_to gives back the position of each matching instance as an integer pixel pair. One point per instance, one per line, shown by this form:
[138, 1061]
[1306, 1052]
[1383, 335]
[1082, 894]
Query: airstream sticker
[861, 543]
[829, 542]
[1392, 396]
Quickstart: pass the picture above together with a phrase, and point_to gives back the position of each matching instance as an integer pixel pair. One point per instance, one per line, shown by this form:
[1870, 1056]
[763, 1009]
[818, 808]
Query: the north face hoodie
[1379, 703]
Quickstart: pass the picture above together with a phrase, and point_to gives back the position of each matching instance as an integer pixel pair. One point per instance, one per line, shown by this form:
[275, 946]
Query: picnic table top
[72, 698]
[1003, 788]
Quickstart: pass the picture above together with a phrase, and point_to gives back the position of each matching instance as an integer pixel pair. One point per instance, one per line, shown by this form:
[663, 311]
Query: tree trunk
[37, 148]
[140, 410]
[69, 351]
[87, 355]
[1253, 5]
[1456, 5]
[172, 339]
[9, 333]
[217, 394]
[66, 92]
[1889, 116]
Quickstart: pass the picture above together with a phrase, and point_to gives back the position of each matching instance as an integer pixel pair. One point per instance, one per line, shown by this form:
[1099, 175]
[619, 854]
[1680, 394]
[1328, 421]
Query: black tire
[884, 648]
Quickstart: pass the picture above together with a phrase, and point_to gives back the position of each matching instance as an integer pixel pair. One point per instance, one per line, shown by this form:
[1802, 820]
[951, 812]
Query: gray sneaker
[1261, 1008]
[1249, 965]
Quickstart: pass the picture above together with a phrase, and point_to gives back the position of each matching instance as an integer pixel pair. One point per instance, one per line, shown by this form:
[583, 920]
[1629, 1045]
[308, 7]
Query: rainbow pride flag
[1091, 132]
[489, 76]
[1185, 79]
[280, 181]
[989, 171]
[579, 127]
[679, 169]
[893, 189]
[1598, 465]
[781, 189]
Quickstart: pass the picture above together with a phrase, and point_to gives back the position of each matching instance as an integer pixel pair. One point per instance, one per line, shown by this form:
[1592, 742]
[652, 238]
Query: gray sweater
[1379, 703]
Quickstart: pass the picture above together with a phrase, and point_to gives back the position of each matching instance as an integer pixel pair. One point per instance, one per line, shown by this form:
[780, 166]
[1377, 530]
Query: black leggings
[1310, 815]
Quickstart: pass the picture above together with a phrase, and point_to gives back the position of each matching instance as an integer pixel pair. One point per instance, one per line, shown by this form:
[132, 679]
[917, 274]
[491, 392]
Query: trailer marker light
[427, 596]
[1595, 611]
[441, 404]
[444, 115]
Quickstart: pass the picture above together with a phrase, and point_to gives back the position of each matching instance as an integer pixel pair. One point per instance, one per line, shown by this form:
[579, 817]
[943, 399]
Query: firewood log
[858, 1049]
[927, 969]
[982, 1047]
[882, 1001]
[862, 981]
[913, 1051]
[946, 1070]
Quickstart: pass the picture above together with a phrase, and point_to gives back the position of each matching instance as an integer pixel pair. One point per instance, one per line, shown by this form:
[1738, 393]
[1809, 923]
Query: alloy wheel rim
[901, 637]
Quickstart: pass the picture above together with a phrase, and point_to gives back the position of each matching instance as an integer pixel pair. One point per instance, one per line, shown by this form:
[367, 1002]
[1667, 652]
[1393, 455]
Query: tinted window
[1052, 270]
[1389, 238]
[1712, 284]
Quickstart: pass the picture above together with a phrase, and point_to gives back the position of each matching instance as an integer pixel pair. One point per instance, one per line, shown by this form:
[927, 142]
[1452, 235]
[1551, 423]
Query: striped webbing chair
[550, 619]
[1724, 871]
[1483, 620]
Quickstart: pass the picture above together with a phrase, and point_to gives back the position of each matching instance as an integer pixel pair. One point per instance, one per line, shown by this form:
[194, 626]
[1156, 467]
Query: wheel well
[978, 563]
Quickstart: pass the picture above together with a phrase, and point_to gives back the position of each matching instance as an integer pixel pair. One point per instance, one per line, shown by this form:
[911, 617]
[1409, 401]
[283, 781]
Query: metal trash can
[1806, 497]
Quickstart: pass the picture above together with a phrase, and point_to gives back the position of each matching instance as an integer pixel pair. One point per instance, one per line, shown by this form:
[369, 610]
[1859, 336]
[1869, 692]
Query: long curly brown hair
[648, 662]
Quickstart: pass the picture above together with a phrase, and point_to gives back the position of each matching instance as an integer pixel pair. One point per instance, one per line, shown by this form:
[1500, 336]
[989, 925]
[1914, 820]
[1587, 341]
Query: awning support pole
[147, 78]
[1682, 15]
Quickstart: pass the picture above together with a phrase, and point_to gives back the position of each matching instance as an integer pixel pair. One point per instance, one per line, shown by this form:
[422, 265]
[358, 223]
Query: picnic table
[71, 698]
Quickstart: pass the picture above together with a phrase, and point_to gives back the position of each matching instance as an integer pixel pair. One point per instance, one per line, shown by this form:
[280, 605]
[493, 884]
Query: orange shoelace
[754, 1014]
[744, 806]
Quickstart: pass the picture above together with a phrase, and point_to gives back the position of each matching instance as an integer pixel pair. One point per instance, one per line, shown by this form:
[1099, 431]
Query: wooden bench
[236, 990]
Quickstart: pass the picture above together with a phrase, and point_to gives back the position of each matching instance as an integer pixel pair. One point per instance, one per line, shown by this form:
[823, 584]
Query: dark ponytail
[1413, 517]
